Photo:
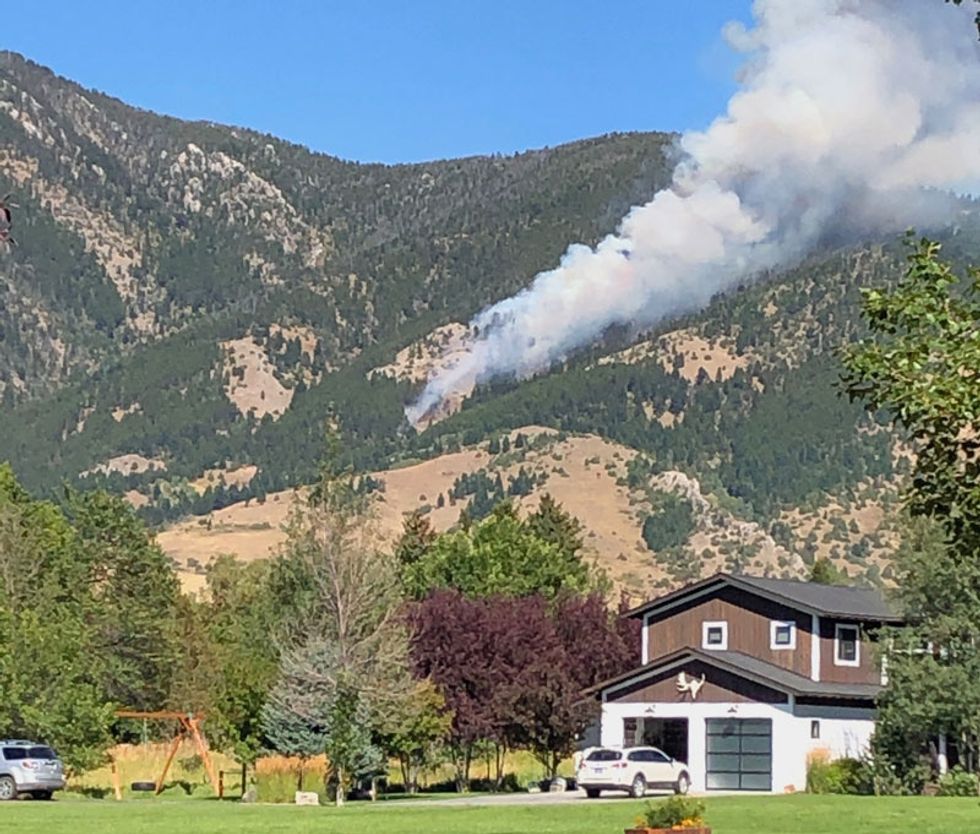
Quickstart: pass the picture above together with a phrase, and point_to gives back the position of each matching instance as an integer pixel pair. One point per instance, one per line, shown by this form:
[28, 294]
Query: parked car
[27, 767]
[632, 769]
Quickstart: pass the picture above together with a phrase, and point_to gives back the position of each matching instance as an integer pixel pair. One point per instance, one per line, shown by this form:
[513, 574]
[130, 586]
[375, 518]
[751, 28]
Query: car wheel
[43, 795]
[682, 785]
[639, 787]
[8, 789]
[592, 793]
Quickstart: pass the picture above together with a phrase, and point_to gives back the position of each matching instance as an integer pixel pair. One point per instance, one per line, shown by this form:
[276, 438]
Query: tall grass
[277, 778]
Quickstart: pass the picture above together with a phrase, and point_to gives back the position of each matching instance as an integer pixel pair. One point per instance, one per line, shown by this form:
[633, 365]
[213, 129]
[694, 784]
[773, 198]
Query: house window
[847, 646]
[814, 729]
[782, 635]
[714, 635]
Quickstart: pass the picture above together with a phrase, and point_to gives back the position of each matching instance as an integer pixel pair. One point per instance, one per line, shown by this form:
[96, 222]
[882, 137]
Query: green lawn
[741, 815]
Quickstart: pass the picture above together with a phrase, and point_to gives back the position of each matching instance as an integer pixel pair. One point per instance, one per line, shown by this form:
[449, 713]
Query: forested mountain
[148, 245]
[187, 303]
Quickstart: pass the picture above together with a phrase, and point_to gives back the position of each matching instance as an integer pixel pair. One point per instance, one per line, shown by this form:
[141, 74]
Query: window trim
[838, 661]
[706, 625]
[774, 626]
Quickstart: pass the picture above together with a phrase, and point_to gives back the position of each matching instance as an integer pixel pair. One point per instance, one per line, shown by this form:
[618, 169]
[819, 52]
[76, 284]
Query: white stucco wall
[842, 733]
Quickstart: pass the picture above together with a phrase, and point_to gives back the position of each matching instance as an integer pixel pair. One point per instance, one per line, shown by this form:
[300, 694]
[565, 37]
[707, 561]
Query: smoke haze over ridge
[853, 117]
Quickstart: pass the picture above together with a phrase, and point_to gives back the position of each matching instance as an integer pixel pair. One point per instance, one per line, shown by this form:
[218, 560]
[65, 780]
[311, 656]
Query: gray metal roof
[812, 597]
[833, 600]
[752, 669]
[786, 680]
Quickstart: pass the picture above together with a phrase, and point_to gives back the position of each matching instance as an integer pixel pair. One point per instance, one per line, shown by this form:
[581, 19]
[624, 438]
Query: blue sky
[397, 81]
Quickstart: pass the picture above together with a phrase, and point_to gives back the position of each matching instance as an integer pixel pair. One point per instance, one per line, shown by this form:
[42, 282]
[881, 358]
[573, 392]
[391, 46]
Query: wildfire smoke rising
[853, 117]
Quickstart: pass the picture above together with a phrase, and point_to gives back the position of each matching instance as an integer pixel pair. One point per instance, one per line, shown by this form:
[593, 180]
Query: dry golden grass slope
[587, 475]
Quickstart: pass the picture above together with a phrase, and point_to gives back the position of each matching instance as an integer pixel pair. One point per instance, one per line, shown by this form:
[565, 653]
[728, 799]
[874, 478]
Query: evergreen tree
[416, 539]
[554, 524]
[827, 573]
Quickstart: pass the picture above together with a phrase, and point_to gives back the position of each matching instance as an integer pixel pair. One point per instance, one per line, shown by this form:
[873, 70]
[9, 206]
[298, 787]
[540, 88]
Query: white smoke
[853, 117]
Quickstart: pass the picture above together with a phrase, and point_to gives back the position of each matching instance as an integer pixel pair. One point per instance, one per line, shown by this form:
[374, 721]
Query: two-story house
[744, 678]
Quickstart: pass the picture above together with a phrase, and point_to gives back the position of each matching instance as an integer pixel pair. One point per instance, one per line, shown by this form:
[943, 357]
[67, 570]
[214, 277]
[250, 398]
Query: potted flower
[678, 813]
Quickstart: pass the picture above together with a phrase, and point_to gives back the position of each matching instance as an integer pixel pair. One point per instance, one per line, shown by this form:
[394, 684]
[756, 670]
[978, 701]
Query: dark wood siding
[868, 672]
[719, 687]
[748, 618]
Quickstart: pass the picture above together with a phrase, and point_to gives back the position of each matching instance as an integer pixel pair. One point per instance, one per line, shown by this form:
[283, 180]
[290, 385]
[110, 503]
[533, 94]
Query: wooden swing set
[188, 726]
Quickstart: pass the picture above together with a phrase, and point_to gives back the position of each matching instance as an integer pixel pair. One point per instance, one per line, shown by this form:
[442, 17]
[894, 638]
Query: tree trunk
[406, 768]
[500, 753]
[462, 758]
[244, 777]
[339, 796]
[414, 772]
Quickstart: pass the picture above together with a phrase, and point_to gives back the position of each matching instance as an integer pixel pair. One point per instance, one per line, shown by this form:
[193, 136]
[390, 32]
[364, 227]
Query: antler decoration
[690, 685]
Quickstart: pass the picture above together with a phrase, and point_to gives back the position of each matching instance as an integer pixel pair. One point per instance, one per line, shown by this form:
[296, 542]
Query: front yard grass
[726, 815]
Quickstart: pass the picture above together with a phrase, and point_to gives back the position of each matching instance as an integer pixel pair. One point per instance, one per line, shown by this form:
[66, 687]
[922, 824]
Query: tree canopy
[504, 554]
[921, 366]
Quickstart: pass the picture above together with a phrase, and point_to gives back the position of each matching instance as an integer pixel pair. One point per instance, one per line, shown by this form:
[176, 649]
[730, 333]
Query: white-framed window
[782, 635]
[847, 645]
[714, 635]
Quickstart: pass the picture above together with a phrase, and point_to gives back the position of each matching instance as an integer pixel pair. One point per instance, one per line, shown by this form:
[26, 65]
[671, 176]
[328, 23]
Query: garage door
[739, 754]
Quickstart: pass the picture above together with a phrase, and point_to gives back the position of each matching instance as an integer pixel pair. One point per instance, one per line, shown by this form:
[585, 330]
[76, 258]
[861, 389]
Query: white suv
[29, 767]
[632, 769]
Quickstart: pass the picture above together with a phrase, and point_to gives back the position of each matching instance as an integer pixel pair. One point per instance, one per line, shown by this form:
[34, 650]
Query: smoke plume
[853, 117]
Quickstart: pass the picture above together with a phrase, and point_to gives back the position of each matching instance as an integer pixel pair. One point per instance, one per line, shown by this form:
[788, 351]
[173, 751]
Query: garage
[738, 754]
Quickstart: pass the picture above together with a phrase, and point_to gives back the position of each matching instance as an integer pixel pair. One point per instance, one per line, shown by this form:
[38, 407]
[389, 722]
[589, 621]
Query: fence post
[116, 787]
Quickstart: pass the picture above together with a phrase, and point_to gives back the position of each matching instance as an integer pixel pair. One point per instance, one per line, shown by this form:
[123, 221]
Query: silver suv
[29, 767]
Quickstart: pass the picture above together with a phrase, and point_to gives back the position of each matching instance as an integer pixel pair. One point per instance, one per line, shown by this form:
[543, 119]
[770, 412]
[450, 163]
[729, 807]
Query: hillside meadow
[726, 815]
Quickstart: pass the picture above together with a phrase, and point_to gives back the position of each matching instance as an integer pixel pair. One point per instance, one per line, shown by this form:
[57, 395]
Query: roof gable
[865, 604]
[747, 667]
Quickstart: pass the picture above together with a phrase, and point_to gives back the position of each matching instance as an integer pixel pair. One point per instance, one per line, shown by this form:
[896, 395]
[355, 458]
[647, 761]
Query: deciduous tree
[344, 651]
[921, 366]
[500, 555]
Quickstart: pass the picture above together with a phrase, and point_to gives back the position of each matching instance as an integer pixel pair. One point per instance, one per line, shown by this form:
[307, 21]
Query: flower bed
[675, 814]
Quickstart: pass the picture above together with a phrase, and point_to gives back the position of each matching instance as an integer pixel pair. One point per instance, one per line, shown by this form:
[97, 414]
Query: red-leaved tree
[512, 670]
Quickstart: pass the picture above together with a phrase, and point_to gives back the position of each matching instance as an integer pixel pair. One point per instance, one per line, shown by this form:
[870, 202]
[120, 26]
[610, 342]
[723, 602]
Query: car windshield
[604, 756]
[13, 754]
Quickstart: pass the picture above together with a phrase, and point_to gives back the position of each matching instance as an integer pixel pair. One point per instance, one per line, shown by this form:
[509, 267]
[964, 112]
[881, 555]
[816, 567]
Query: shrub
[841, 776]
[191, 764]
[678, 811]
[893, 776]
[958, 782]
